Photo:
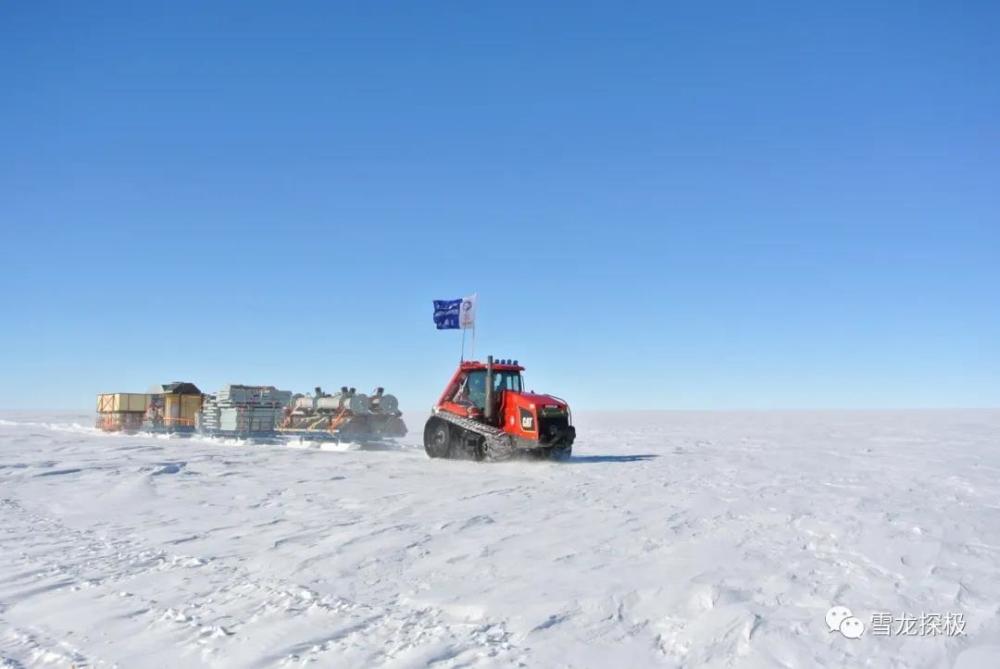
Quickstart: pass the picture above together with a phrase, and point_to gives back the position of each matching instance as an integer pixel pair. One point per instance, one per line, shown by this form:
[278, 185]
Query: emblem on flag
[467, 313]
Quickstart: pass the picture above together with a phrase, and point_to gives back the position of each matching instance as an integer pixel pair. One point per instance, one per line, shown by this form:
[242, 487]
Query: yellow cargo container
[180, 409]
[122, 402]
[170, 407]
[121, 411]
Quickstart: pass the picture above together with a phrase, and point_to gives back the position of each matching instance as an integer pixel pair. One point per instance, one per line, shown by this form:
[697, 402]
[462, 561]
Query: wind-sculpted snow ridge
[668, 540]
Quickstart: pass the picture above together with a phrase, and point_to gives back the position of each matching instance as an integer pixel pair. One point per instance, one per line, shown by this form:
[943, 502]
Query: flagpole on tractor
[462, 359]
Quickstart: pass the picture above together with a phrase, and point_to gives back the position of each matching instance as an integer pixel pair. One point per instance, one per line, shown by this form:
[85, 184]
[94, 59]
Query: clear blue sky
[661, 205]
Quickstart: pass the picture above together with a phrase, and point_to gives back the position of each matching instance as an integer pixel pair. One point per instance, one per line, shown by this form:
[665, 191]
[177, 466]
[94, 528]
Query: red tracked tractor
[485, 414]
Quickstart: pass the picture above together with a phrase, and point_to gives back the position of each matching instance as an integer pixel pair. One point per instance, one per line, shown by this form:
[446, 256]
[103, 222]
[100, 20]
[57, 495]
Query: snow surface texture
[670, 539]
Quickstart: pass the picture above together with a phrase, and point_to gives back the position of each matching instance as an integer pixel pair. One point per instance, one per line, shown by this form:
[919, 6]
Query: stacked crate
[207, 418]
[243, 410]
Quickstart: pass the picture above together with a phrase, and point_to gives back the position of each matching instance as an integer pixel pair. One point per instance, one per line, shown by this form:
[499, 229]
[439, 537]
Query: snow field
[669, 540]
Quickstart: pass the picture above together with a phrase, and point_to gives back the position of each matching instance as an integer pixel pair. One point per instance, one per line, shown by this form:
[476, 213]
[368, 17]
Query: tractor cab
[473, 386]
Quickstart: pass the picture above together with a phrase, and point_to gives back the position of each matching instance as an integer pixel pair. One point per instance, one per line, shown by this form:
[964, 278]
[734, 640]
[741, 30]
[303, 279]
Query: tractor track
[497, 444]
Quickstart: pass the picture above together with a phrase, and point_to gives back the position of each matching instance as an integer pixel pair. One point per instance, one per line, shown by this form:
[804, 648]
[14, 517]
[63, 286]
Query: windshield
[473, 389]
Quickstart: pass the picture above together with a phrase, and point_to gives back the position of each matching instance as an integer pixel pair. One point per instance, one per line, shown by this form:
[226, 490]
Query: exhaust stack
[490, 409]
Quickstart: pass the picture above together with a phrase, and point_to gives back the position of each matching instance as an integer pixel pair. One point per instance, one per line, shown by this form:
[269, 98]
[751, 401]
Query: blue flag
[446, 314]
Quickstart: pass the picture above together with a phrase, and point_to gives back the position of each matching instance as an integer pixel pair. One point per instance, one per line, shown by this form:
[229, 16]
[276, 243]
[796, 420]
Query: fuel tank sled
[346, 415]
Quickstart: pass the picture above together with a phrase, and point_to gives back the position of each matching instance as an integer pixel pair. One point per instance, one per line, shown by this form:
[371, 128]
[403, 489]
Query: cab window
[507, 381]
[471, 390]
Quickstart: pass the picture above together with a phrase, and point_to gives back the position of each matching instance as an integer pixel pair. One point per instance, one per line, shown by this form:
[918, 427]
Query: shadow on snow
[589, 459]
